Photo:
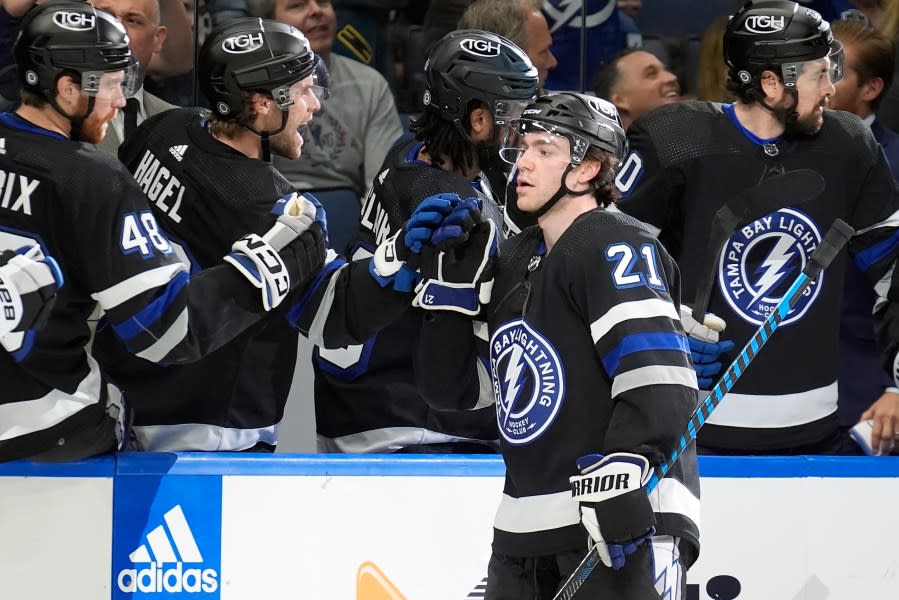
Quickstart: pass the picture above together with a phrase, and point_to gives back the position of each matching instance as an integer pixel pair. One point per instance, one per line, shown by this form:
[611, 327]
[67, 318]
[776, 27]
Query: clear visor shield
[542, 141]
[504, 111]
[321, 80]
[830, 66]
[107, 85]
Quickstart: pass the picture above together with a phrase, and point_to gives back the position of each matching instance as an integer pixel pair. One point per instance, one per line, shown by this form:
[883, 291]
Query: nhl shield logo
[760, 261]
[528, 382]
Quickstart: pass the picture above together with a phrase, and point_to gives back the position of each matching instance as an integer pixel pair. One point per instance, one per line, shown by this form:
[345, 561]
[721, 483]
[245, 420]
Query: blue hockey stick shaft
[837, 237]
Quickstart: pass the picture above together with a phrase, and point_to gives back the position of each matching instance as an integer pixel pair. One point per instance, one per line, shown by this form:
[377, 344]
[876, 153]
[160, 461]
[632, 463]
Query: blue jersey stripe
[642, 342]
[152, 312]
[870, 256]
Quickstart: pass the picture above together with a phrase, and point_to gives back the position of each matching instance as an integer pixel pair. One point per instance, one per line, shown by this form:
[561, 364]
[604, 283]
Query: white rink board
[297, 527]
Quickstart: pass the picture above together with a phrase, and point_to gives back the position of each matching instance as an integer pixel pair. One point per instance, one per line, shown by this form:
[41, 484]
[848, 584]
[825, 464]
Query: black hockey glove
[460, 279]
[396, 260]
[28, 284]
[286, 256]
[615, 509]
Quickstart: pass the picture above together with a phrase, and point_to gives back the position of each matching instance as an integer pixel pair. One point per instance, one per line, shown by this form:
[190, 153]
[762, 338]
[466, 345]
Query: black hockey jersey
[365, 396]
[83, 208]
[686, 161]
[587, 355]
[234, 398]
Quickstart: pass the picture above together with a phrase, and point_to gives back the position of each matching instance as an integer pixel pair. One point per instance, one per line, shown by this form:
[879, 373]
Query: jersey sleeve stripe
[672, 496]
[151, 313]
[870, 256]
[642, 342]
[138, 284]
[332, 263]
[653, 375]
[317, 327]
[171, 338]
[891, 221]
[638, 309]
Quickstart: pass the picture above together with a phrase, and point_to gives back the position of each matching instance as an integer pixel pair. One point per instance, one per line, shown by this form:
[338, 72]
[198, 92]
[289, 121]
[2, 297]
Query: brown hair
[875, 53]
[711, 70]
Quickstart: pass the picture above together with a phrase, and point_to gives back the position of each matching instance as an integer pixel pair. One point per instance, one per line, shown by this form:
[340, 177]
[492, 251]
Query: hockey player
[587, 355]
[366, 398]
[81, 206]
[208, 178]
[688, 159]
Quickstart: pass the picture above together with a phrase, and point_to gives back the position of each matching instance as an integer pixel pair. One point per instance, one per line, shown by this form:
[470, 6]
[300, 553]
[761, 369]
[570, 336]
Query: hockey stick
[823, 255]
[790, 188]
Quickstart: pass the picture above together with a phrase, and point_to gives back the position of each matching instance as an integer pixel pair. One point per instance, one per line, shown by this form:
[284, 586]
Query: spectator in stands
[520, 21]
[711, 71]
[830, 10]
[146, 37]
[170, 71]
[11, 12]
[631, 8]
[347, 142]
[636, 82]
[867, 74]
[608, 31]
[873, 11]
[889, 107]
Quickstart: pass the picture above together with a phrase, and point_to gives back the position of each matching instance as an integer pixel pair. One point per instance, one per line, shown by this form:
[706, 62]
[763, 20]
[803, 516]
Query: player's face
[289, 142]
[107, 100]
[849, 90]
[141, 21]
[539, 44]
[643, 84]
[815, 89]
[315, 18]
[542, 160]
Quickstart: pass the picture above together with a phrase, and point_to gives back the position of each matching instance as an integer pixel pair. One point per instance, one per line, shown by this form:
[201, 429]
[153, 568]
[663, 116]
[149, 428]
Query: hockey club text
[159, 185]
[13, 183]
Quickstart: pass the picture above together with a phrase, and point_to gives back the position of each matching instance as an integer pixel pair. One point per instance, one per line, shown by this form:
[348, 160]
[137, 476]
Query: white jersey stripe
[138, 284]
[171, 338]
[672, 496]
[184, 539]
[389, 439]
[784, 410]
[536, 513]
[891, 221]
[317, 327]
[639, 309]
[202, 437]
[27, 416]
[653, 375]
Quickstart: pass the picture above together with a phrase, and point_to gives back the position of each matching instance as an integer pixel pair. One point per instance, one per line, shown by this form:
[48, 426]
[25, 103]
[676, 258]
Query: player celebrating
[366, 397]
[587, 355]
[81, 206]
[689, 158]
[221, 183]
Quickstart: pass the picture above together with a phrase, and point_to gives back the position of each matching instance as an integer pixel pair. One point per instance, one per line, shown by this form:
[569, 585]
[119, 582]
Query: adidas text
[154, 579]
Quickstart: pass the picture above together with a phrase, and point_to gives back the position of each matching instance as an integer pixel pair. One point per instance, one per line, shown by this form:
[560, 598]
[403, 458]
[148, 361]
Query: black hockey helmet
[73, 38]
[253, 55]
[768, 33]
[584, 120]
[470, 64]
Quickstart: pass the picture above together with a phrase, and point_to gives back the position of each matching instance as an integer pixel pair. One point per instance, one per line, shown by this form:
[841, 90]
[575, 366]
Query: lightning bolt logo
[513, 381]
[568, 9]
[774, 267]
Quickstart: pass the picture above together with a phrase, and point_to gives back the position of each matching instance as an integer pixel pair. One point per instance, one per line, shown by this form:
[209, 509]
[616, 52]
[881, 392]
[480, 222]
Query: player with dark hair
[366, 397]
[688, 159]
[591, 372]
[81, 206]
[208, 177]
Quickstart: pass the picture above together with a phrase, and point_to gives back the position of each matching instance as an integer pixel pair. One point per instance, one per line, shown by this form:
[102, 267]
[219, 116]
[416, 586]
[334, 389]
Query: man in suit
[141, 21]
[868, 74]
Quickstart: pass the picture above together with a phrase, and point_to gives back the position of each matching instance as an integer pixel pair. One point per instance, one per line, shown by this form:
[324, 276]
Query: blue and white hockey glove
[705, 346]
[28, 284]
[290, 200]
[285, 256]
[460, 279]
[614, 507]
[397, 259]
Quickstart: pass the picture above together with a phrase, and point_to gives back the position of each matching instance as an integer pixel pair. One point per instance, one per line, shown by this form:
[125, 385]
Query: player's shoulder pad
[846, 132]
[591, 233]
[680, 131]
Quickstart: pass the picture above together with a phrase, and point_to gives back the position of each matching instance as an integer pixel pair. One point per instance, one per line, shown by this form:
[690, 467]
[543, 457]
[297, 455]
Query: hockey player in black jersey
[587, 355]
[366, 397]
[688, 159]
[207, 177]
[81, 206]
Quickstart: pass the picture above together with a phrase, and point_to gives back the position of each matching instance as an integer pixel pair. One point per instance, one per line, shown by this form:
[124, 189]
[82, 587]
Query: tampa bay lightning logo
[528, 382]
[761, 260]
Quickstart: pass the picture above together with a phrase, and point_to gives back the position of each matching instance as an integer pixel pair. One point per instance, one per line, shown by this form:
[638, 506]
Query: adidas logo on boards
[166, 572]
[178, 151]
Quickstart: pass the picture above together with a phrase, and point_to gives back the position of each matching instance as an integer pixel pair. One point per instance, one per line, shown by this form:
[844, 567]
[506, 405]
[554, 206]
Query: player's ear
[588, 170]
[480, 120]
[67, 89]
[871, 89]
[771, 83]
[261, 103]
